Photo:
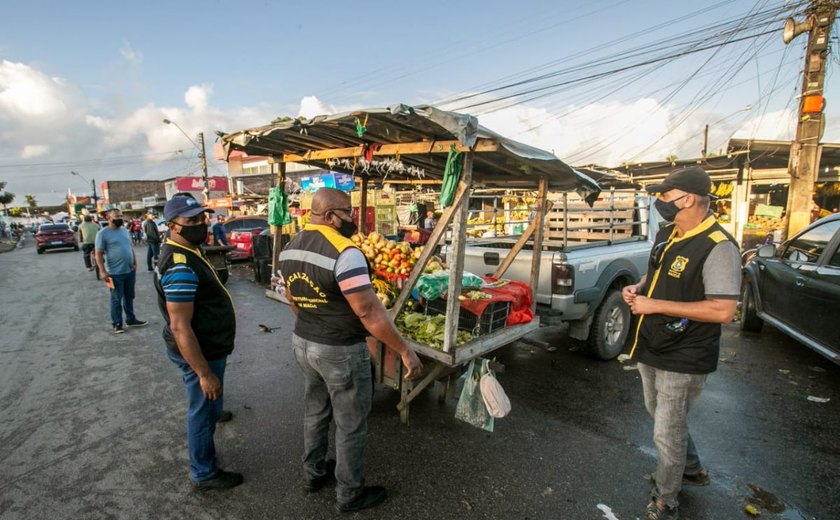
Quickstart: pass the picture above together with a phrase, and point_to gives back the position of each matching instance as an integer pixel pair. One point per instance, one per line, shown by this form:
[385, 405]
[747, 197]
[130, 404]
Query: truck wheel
[610, 327]
[750, 322]
[40, 251]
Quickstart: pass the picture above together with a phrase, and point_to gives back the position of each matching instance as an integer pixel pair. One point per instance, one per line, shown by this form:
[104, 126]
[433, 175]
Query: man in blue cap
[199, 333]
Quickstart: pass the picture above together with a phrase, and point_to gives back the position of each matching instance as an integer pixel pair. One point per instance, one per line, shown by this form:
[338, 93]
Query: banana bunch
[723, 189]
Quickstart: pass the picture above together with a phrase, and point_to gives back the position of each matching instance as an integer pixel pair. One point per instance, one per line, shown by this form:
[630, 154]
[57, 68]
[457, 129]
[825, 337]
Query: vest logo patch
[305, 302]
[678, 266]
[179, 258]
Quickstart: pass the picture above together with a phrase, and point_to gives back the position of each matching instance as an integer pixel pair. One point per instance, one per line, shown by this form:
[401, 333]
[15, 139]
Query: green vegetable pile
[428, 330]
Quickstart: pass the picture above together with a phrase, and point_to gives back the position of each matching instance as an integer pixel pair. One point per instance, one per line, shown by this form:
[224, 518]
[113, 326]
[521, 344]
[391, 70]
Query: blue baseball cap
[183, 206]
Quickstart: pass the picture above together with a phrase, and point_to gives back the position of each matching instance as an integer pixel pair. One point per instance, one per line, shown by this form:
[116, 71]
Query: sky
[85, 85]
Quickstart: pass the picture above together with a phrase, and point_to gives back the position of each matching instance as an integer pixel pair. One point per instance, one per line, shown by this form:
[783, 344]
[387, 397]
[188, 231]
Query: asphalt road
[92, 423]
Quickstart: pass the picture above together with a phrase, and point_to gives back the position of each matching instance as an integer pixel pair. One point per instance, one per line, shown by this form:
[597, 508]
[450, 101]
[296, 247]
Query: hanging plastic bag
[434, 285]
[278, 207]
[471, 408]
[494, 396]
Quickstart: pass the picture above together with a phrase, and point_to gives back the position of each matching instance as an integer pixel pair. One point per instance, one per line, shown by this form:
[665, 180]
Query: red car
[242, 229]
[53, 236]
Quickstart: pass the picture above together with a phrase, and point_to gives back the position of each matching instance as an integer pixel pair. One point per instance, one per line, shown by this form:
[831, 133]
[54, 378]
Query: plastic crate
[492, 319]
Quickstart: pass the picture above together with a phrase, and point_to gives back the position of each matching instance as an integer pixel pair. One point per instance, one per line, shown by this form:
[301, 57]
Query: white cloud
[34, 150]
[311, 106]
[129, 54]
[26, 92]
[197, 97]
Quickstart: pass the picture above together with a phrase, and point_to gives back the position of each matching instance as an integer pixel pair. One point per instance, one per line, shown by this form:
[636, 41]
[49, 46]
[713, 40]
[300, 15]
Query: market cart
[219, 258]
[417, 144]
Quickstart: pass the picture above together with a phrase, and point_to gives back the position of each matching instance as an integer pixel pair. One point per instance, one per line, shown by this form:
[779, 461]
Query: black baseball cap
[183, 206]
[693, 179]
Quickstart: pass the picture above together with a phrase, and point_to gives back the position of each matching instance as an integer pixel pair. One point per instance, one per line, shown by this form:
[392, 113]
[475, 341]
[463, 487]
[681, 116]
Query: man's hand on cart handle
[412, 363]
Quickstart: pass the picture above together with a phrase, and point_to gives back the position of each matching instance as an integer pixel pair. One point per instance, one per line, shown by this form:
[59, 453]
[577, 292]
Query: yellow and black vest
[307, 264]
[214, 318]
[675, 272]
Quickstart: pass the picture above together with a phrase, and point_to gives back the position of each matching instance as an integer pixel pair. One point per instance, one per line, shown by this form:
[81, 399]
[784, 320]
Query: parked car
[241, 230]
[796, 287]
[53, 236]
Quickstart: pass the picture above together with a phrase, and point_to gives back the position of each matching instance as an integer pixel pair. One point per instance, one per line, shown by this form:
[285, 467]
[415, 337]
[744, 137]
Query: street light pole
[201, 155]
[93, 189]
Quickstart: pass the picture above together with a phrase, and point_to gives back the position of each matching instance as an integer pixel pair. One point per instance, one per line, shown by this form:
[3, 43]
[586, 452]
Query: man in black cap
[691, 287]
[199, 333]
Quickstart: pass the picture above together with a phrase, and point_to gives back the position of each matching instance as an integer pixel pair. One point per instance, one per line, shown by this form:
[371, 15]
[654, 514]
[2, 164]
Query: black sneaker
[226, 416]
[659, 511]
[370, 496]
[315, 484]
[118, 329]
[222, 480]
[137, 323]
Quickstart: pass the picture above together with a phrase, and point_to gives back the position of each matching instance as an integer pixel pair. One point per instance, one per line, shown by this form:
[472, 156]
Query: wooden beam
[429, 249]
[539, 232]
[363, 206]
[456, 261]
[421, 148]
[517, 247]
[278, 241]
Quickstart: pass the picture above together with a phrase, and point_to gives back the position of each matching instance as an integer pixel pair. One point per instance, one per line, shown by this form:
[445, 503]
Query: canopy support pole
[539, 232]
[456, 261]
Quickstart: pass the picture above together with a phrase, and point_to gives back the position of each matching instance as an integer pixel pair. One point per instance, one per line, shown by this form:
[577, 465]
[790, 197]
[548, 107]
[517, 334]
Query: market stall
[422, 144]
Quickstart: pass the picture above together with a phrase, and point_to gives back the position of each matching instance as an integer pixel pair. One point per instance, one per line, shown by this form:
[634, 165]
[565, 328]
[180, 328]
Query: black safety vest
[675, 272]
[307, 264]
[214, 318]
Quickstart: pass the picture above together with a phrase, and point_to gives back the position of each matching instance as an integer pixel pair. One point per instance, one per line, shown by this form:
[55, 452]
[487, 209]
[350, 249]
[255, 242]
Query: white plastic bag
[495, 398]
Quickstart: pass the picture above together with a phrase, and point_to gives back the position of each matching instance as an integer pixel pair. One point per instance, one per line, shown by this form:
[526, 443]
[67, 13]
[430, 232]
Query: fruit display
[723, 189]
[764, 223]
[392, 258]
[428, 330]
[387, 255]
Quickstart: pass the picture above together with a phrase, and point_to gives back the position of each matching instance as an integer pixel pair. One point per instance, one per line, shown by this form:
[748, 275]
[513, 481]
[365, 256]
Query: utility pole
[706, 141]
[805, 152]
[94, 197]
[203, 157]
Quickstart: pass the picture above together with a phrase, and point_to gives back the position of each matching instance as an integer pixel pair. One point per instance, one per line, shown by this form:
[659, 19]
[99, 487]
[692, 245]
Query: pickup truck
[589, 255]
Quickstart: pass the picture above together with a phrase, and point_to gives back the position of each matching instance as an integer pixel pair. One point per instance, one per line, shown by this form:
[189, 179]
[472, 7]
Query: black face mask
[118, 222]
[196, 234]
[668, 210]
[346, 229]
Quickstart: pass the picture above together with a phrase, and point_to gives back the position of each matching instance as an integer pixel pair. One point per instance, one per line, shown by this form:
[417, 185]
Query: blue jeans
[122, 297]
[668, 398]
[337, 387]
[152, 254]
[202, 414]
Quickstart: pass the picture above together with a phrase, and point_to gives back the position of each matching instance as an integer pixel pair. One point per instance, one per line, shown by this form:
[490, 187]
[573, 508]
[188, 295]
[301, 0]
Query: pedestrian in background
[329, 287]
[113, 244]
[199, 334]
[219, 231]
[87, 234]
[150, 229]
[429, 222]
[691, 287]
[136, 231]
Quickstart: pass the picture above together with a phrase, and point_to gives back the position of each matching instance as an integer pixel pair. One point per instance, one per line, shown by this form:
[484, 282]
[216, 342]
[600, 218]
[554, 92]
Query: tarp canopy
[405, 142]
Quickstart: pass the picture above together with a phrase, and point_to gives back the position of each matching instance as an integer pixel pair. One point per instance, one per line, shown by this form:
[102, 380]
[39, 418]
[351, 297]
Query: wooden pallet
[590, 224]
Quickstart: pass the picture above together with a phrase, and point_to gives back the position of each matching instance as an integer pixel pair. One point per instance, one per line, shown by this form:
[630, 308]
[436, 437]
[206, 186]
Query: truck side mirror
[767, 251]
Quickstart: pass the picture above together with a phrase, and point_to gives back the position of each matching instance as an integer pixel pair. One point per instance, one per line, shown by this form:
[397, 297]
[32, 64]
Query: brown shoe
[225, 416]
